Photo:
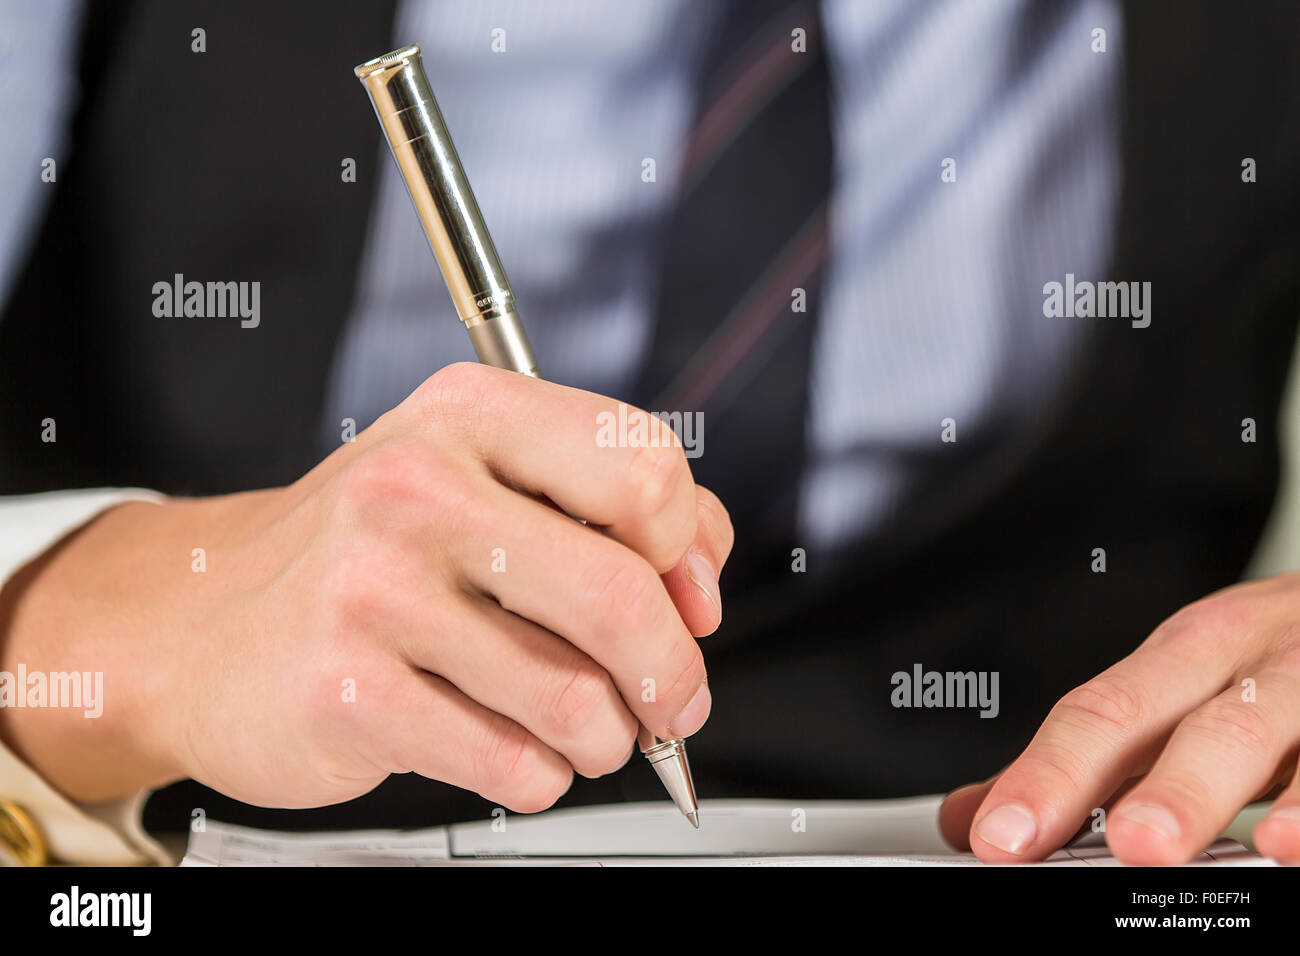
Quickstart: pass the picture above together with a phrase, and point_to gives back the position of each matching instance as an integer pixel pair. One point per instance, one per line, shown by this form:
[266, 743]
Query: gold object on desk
[20, 837]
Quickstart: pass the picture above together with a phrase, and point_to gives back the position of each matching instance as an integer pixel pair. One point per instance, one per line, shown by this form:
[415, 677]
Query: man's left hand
[1171, 742]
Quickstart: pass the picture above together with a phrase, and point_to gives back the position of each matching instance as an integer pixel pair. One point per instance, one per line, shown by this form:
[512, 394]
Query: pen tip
[694, 817]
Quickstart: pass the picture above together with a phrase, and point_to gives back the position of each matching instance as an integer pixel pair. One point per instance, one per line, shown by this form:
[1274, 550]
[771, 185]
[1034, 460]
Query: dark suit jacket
[185, 164]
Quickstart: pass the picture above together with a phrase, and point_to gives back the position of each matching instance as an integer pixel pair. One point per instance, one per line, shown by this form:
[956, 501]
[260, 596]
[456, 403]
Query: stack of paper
[732, 833]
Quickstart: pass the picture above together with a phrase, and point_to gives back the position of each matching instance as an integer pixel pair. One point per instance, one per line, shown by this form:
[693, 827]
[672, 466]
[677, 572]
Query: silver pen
[422, 148]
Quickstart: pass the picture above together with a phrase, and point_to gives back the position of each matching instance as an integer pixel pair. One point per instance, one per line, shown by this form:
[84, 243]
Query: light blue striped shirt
[933, 308]
[934, 299]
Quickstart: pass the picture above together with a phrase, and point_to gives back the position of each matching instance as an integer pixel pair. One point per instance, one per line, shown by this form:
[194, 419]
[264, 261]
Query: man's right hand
[419, 601]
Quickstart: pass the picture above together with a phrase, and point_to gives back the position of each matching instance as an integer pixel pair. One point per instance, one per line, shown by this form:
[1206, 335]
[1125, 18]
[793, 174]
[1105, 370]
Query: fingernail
[705, 577]
[693, 715]
[1153, 818]
[1010, 827]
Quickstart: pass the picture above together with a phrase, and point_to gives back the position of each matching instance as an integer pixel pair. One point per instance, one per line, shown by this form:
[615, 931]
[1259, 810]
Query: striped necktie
[733, 337]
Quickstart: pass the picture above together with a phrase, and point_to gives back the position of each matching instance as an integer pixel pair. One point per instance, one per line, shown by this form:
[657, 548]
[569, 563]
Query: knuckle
[505, 759]
[1054, 769]
[405, 488]
[1204, 623]
[1285, 655]
[517, 773]
[653, 476]
[355, 596]
[388, 474]
[621, 592]
[452, 395]
[513, 768]
[1233, 725]
[1105, 700]
[356, 607]
[1177, 789]
[580, 699]
[656, 477]
[588, 713]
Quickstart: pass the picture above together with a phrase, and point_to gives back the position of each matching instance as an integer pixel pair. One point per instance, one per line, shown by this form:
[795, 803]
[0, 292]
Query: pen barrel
[422, 147]
[500, 341]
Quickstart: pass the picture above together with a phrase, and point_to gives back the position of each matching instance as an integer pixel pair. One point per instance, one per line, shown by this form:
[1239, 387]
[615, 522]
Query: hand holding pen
[426, 157]
[417, 602]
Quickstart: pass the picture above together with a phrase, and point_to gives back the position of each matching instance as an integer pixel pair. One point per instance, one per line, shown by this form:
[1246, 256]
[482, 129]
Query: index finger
[601, 597]
[612, 465]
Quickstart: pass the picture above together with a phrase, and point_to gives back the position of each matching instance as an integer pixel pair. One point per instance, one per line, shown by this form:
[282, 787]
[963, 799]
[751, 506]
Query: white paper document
[732, 833]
